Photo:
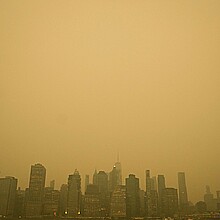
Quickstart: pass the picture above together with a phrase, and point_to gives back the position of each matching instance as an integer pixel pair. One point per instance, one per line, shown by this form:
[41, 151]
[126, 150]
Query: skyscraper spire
[117, 165]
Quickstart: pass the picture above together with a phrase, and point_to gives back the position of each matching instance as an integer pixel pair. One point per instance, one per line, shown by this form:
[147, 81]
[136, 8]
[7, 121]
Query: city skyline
[104, 196]
[82, 80]
[144, 183]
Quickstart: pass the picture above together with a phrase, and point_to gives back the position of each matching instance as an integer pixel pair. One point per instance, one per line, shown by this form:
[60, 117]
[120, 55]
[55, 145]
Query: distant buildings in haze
[106, 196]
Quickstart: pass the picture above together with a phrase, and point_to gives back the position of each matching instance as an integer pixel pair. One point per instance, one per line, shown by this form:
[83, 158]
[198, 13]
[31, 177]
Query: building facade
[91, 201]
[183, 197]
[19, 203]
[118, 202]
[35, 192]
[170, 202]
[63, 200]
[132, 196]
[8, 186]
[161, 186]
[51, 201]
[74, 194]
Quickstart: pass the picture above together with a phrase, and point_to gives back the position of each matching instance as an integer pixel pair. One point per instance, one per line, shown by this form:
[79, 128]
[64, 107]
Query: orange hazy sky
[82, 80]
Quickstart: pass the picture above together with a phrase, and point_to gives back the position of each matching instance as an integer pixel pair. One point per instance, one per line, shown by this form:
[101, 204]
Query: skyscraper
[151, 195]
[118, 202]
[115, 176]
[148, 192]
[153, 211]
[183, 198]
[94, 180]
[142, 196]
[35, 192]
[161, 186]
[63, 199]
[86, 181]
[209, 200]
[102, 182]
[132, 196]
[74, 194]
[91, 204]
[19, 203]
[51, 201]
[148, 181]
[8, 186]
[170, 202]
[112, 179]
[153, 183]
[119, 172]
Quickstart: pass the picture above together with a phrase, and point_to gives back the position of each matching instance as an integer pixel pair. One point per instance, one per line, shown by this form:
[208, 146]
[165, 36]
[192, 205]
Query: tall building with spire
[74, 194]
[115, 176]
[35, 192]
[119, 171]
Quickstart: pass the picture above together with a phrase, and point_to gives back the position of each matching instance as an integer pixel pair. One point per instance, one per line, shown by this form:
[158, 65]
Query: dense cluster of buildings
[105, 196]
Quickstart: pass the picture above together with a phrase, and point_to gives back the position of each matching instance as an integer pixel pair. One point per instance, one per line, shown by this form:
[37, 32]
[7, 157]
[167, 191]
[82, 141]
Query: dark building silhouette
[118, 202]
[151, 196]
[86, 181]
[161, 186]
[102, 182]
[170, 202]
[153, 183]
[183, 198]
[115, 176]
[74, 194]
[148, 192]
[105, 198]
[19, 203]
[142, 196]
[148, 181]
[91, 201]
[132, 196]
[119, 172]
[35, 192]
[153, 209]
[63, 200]
[209, 200]
[95, 180]
[51, 201]
[8, 186]
[113, 179]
